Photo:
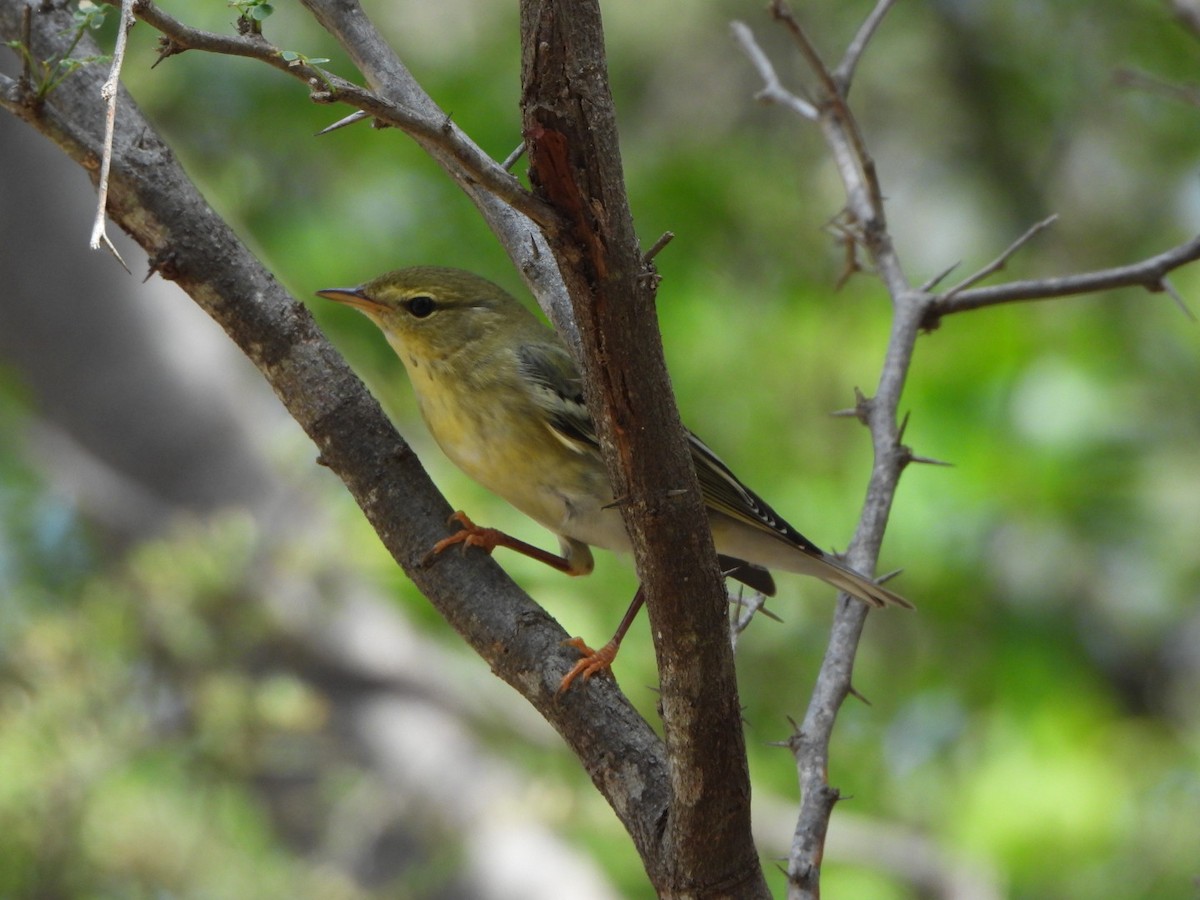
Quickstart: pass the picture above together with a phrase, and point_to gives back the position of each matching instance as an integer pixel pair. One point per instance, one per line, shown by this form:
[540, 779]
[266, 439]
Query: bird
[503, 398]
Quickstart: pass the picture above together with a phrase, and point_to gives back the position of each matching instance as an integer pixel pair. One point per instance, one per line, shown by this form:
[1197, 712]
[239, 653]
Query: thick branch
[152, 199]
[570, 132]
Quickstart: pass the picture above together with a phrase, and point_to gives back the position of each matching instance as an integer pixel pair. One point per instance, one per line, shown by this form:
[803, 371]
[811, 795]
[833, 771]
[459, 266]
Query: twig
[783, 14]
[511, 159]
[26, 38]
[1000, 261]
[109, 93]
[939, 277]
[855, 165]
[665, 238]
[773, 90]
[844, 74]
[1149, 273]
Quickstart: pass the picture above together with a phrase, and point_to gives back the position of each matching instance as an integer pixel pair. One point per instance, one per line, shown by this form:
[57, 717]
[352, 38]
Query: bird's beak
[352, 297]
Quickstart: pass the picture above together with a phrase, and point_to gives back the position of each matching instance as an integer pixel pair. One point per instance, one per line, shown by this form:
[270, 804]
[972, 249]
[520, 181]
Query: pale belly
[565, 491]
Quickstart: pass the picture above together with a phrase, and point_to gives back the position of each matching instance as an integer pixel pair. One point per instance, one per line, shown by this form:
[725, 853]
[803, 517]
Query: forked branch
[864, 223]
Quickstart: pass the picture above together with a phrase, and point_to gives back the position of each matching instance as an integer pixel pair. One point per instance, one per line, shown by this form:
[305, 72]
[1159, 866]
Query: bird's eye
[421, 306]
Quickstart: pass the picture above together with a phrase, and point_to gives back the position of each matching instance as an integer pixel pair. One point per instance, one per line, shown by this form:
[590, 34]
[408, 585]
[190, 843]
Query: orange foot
[488, 539]
[471, 535]
[593, 661]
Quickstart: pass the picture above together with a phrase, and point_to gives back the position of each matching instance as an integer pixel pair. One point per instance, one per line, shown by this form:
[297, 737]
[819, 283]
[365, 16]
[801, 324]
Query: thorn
[854, 692]
[903, 428]
[756, 604]
[166, 48]
[357, 116]
[1165, 285]
[889, 576]
[770, 615]
[107, 243]
[861, 409]
[929, 461]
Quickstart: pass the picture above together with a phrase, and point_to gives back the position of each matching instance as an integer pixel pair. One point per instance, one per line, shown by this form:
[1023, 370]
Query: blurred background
[215, 683]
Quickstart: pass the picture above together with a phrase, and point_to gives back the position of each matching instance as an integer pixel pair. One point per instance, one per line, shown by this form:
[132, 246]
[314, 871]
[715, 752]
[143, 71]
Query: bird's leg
[488, 539]
[601, 660]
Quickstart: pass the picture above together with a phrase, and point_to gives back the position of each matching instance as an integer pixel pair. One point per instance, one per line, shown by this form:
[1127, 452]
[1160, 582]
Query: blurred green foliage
[1037, 715]
[133, 732]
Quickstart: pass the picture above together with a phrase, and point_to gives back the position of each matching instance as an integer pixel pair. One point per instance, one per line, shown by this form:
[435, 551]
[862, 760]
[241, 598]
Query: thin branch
[844, 74]
[773, 90]
[1149, 273]
[914, 310]
[855, 165]
[109, 94]
[1000, 261]
[1131, 78]
[27, 56]
[430, 128]
[783, 14]
[864, 222]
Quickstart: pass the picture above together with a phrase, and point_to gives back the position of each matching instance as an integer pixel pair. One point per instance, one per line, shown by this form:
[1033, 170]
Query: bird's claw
[592, 662]
[470, 535]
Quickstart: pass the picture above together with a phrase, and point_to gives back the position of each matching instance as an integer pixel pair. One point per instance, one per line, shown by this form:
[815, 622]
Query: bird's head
[435, 312]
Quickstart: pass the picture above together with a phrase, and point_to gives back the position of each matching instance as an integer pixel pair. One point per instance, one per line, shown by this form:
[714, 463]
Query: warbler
[503, 398]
